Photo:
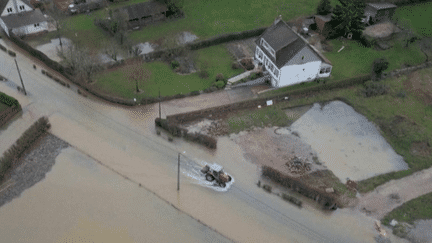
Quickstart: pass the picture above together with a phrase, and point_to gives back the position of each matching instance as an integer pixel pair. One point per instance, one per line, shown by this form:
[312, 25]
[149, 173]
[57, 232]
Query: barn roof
[140, 10]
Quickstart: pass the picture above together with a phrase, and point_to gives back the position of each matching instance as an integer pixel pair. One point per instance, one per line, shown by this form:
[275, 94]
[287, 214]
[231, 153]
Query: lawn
[268, 116]
[384, 111]
[420, 16]
[217, 58]
[418, 208]
[211, 18]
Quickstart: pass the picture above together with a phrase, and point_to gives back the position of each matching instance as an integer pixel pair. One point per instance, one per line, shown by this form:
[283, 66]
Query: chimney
[279, 18]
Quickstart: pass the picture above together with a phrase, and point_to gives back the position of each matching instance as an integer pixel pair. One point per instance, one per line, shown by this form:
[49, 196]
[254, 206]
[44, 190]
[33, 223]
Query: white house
[288, 57]
[19, 17]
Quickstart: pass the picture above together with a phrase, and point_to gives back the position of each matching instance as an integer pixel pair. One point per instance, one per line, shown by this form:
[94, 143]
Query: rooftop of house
[27, 18]
[380, 6]
[137, 11]
[285, 42]
[3, 4]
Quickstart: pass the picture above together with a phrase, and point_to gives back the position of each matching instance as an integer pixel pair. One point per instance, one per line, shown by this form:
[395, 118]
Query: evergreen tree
[347, 17]
[324, 7]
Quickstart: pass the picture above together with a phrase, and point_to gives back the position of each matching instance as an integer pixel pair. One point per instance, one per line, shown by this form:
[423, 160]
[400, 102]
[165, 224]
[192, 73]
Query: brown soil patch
[419, 83]
[421, 149]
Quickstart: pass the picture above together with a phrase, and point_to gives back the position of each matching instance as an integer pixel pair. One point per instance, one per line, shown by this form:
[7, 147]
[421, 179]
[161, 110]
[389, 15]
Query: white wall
[3, 25]
[10, 4]
[31, 29]
[299, 73]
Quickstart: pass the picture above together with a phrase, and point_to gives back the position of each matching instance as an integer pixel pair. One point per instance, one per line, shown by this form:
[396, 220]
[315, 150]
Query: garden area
[213, 60]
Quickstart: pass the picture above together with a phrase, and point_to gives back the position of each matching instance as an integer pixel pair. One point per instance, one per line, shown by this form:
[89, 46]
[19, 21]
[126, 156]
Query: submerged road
[124, 140]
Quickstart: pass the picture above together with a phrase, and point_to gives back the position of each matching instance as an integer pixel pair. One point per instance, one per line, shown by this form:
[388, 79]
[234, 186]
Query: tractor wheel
[222, 184]
[209, 178]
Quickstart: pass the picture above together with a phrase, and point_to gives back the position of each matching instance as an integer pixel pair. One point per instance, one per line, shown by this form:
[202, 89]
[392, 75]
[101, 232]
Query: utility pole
[160, 117]
[25, 93]
[178, 174]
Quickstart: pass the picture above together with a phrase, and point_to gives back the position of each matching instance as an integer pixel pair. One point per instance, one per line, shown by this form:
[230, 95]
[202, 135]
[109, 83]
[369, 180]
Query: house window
[260, 54]
[9, 10]
[276, 73]
[36, 25]
[322, 70]
[328, 70]
[22, 7]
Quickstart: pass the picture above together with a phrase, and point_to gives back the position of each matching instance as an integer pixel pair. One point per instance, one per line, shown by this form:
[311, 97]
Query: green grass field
[218, 60]
[418, 208]
[383, 111]
[420, 16]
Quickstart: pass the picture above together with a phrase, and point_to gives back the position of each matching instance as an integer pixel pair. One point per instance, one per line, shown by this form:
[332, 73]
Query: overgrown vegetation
[418, 208]
[23, 143]
[267, 116]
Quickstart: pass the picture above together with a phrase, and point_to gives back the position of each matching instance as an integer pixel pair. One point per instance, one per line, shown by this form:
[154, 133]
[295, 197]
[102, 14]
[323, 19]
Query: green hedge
[10, 101]
[24, 142]
[175, 130]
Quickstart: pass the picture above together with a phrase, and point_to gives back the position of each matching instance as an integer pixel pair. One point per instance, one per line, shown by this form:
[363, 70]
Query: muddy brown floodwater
[80, 199]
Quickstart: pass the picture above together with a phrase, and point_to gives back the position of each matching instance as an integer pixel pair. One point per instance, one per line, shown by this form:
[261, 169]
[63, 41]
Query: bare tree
[119, 23]
[111, 49]
[81, 62]
[137, 73]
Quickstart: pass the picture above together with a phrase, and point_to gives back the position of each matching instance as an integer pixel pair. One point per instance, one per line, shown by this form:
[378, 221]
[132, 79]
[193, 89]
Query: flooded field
[346, 142]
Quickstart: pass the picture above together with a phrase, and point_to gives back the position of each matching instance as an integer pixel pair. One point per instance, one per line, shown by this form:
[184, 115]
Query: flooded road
[80, 199]
[124, 141]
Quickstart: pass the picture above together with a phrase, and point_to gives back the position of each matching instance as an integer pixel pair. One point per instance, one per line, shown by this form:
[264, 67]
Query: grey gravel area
[422, 232]
[33, 166]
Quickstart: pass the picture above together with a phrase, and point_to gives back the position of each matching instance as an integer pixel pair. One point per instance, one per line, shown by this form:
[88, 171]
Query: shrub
[267, 188]
[374, 89]
[203, 74]
[194, 93]
[219, 84]
[252, 76]
[8, 100]
[11, 53]
[401, 94]
[378, 66]
[178, 96]
[219, 77]
[247, 63]
[42, 71]
[3, 48]
[175, 64]
[235, 65]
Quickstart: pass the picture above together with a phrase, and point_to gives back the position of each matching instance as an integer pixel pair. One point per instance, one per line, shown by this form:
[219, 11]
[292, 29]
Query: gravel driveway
[33, 166]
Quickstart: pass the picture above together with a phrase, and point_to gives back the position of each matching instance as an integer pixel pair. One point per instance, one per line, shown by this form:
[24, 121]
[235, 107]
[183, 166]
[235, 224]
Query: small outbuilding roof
[140, 10]
[380, 6]
[27, 18]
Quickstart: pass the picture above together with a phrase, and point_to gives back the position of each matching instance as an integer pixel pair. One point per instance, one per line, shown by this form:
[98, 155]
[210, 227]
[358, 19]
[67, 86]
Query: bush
[219, 84]
[372, 88]
[401, 94]
[11, 53]
[203, 74]
[175, 64]
[219, 77]
[8, 100]
[194, 93]
[178, 96]
[3, 48]
[378, 66]
[247, 63]
[24, 142]
[235, 65]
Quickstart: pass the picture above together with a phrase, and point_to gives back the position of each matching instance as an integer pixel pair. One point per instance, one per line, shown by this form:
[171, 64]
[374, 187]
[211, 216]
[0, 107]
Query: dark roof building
[285, 43]
[15, 21]
[142, 10]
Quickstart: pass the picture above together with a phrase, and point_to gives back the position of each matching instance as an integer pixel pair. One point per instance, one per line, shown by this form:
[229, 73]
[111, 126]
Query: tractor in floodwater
[216, 173]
